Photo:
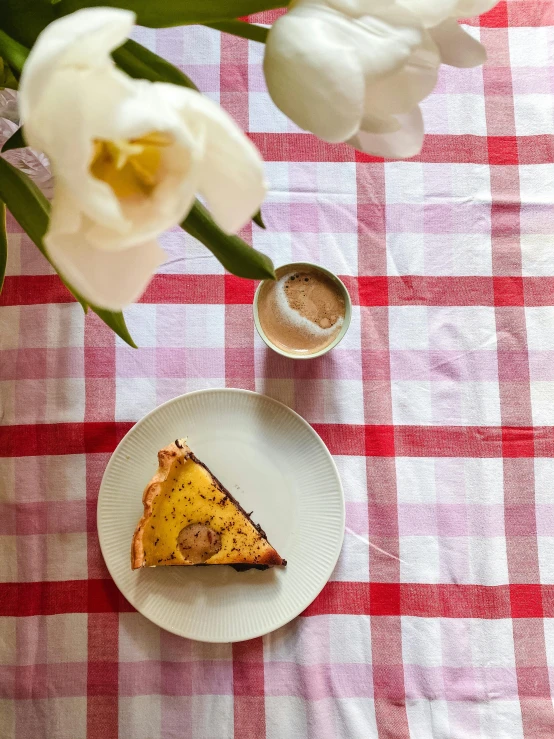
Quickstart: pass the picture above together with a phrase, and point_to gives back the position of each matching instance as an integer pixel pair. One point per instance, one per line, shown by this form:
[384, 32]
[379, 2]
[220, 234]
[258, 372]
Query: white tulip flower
[355, 70]
[128, 157]
[456, 47]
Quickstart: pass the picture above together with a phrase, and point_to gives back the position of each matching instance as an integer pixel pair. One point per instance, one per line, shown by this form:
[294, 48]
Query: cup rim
[347, 312]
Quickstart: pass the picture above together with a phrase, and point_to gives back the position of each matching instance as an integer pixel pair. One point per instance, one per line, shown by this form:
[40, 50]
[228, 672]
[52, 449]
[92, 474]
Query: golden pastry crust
[166, 459]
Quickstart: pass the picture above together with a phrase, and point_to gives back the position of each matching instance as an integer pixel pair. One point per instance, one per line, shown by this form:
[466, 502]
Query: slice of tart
[191, 519]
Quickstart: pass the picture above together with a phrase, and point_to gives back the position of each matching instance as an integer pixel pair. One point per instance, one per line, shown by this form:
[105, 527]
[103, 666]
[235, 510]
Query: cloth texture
[438, 406]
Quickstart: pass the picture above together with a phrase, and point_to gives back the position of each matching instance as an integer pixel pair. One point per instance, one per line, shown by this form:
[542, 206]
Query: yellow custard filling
[189, 496]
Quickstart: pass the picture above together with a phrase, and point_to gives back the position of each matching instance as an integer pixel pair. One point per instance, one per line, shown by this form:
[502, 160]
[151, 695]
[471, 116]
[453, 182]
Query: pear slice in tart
[191, 519]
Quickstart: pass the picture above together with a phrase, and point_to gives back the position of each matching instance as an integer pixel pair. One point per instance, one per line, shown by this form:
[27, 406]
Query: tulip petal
[314, 76]
[401, 144]
[404, 89]
[231, 174]
[105, 279]
[457, 48]
[86, 36]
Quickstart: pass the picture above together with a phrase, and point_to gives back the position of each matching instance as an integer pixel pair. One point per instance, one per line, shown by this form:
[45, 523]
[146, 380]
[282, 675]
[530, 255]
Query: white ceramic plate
[276, 465]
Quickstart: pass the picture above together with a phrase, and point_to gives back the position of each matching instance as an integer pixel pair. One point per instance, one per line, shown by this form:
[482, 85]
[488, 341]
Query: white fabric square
[458, 254]
[65, 400]
[8, 559]
[492, 642]
[549, 640]
[545, 545]
[7, 403]
[139, 638]
[542, 403]
[488, 560]
[64, 476]
[200, 45]
[483, 479]
[466, 114]
[7, 711]
[338, 252]
[544, 475]
[186, 255]
[539, 322]
[406, 253]
[408, 327]
[411, 403]
[13, 264]
[534, 114]
[529, 46]
[140, 716]
[419, 559]
[337, 181]
[404, 182]
[429, 718]
[134, 397]
[204, 326]
[537, 255]
[67, 637]
[464, 403]
[277, 245]
[7, 479]
[141, 322]
[285, 717]
[66, 718]
[65, 325]
[279, 175]
[457, 184]
[9, 335]
[66, 556]
[350, 639]
[535, 183]
[353, 337]
[352, 471]
[353, 564]
[415, 480]
[500, 720]
[264, 116]
[421, 641]
[305, 641]
[8, 655]
[461, 328]
[320, 401]
[354, 717]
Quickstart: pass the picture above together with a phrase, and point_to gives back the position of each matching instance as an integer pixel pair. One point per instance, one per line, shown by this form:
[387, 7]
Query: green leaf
[116, 322]
[16, 141]
[23, 20]
[258, 220]
[7, 78]
[240, 28]
[3, 244]
[139, 62]
[31, 210]
[179, 12]
[234, 254]
[13, 53]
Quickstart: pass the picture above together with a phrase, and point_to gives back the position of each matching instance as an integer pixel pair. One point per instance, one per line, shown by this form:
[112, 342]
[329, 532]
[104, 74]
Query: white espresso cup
[299, 267]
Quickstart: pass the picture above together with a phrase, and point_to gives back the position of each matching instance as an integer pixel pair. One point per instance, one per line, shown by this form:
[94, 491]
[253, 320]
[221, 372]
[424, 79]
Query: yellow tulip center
[130, 166]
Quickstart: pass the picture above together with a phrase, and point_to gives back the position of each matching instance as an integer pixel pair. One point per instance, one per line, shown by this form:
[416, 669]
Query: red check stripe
[437, 149]
[344, 439]
[502, 290]
[101, 596]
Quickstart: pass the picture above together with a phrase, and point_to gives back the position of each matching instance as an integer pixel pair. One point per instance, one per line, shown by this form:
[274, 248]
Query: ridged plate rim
[114, 551]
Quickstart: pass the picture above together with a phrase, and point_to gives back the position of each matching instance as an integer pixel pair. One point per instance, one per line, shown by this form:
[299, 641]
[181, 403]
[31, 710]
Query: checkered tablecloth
[438, 622]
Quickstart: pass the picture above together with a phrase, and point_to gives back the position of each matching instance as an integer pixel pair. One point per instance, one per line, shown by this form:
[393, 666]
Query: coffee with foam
[302, 312]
